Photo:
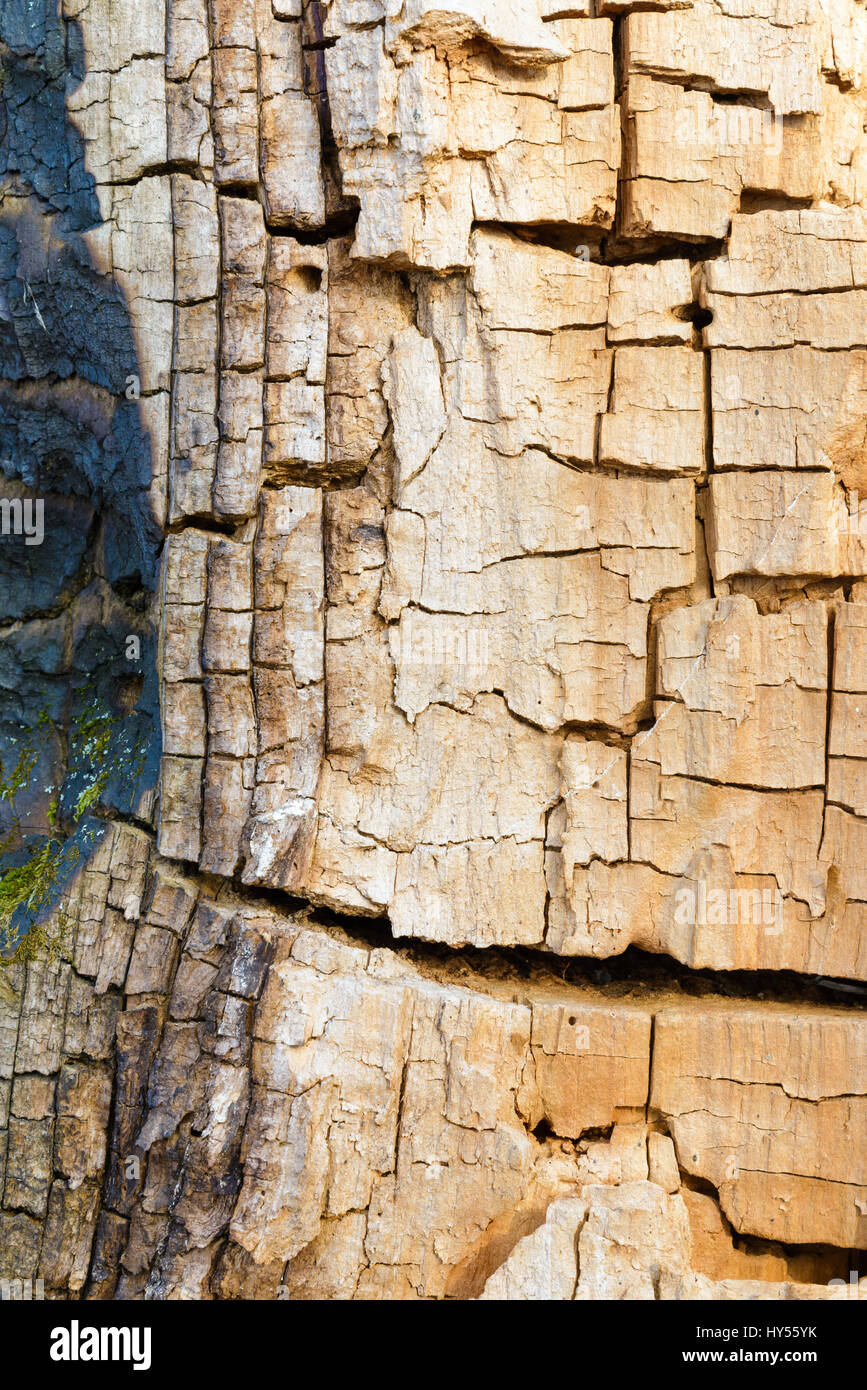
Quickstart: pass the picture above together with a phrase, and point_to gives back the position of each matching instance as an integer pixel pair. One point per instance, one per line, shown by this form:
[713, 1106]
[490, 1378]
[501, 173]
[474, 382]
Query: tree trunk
[434, 809]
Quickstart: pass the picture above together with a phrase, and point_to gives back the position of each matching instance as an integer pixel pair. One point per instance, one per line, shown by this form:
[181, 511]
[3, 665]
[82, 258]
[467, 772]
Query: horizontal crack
[634, 974]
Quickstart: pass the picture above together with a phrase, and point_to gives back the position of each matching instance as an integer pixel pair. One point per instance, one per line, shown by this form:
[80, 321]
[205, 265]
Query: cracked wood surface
[464, 405]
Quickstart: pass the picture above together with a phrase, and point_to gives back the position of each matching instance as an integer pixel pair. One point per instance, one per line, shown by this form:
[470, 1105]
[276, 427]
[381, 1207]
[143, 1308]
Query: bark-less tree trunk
[434, 636]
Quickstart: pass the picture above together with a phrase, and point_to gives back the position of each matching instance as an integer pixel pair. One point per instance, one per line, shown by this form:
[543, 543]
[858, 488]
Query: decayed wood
[463, 408]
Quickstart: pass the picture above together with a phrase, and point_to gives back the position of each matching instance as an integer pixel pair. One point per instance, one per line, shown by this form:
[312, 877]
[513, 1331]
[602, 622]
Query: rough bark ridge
[458, 412]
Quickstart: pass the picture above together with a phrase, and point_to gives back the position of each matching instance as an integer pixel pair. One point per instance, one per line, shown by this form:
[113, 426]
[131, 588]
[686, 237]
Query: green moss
[28, 889]
[19, 777]
[90, 740]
